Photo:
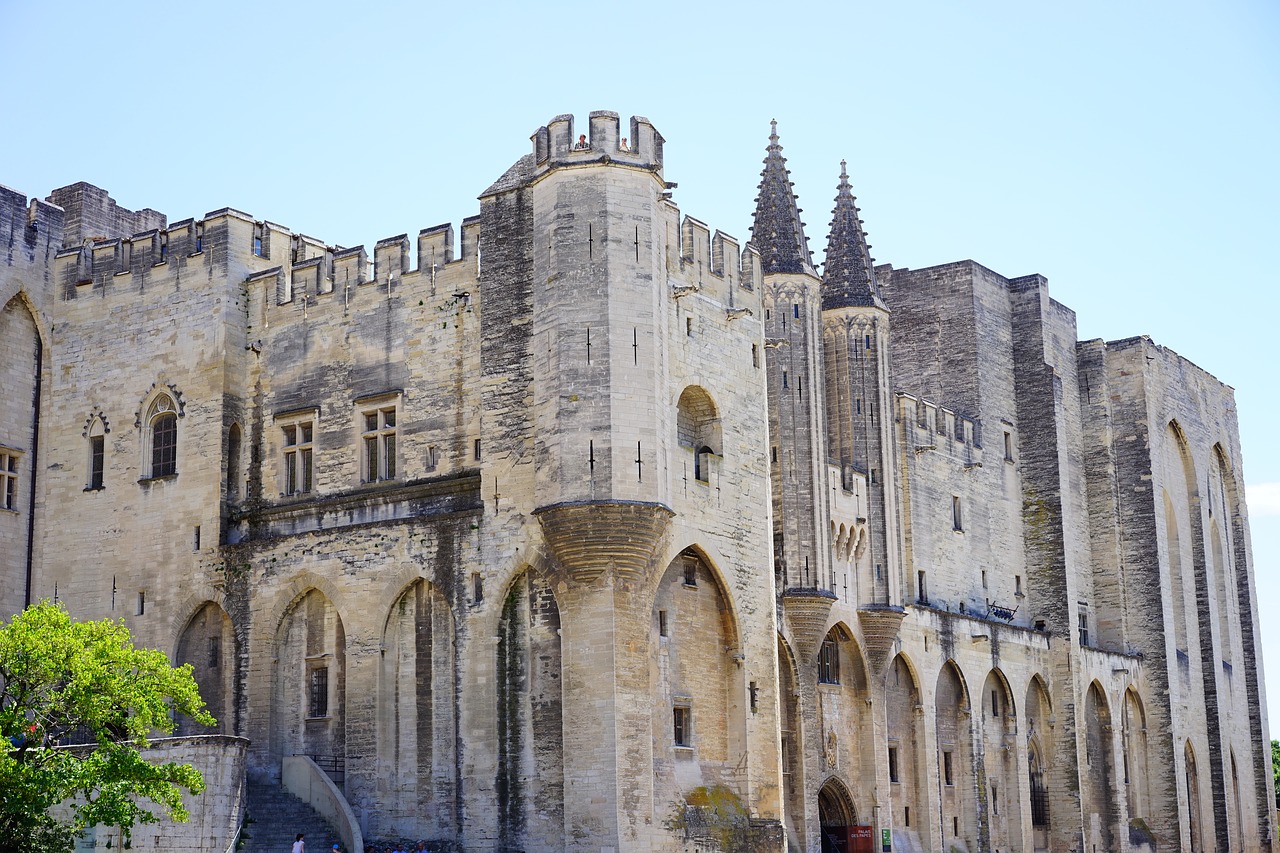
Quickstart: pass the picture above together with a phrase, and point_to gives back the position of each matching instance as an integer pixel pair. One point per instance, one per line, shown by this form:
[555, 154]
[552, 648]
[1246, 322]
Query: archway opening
[835, 817]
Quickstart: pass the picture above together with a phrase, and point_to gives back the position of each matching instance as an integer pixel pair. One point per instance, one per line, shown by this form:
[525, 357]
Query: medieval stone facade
[597, 530]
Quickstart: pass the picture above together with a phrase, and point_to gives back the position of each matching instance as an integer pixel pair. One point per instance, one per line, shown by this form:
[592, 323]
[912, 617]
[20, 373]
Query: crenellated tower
[621, 379]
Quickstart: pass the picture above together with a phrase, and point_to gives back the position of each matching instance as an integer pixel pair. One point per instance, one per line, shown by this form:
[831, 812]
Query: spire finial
[848, 273]
[778, 232]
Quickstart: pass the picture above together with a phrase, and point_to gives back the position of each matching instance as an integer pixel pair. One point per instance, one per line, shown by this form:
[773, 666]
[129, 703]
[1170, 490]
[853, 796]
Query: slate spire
[848, 273]
[778, 232]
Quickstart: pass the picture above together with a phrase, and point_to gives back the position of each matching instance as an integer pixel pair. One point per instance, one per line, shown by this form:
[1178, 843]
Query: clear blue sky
[1127, 151]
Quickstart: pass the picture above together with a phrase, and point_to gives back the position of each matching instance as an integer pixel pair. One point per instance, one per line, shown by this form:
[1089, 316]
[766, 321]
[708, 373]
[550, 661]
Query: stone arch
[308, 712]
[706, 563]
[843, 713]
[1099, 786]
[1239, 833]
[1191, 778]
[999, 734]
[698, 717]
[530, 711]
[955, 757]
[1174, 545]
[1037, 716]
[1134, 750]
[21, 372]
[1180, 469]
[209, 644]
[698, 429]
[792, 734]
[1222, 547]
[416, 726]
[836, 813]
[905, 733]
[1257, 758]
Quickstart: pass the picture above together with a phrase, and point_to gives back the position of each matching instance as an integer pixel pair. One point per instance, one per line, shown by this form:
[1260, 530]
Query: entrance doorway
[835, 818]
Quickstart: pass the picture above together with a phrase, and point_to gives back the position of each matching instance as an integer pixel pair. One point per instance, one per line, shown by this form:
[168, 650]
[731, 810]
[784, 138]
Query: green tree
[1275, 768]
[58, 678]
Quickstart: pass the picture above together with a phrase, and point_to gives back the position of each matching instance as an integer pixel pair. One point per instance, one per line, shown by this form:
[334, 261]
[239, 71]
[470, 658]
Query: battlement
[930, 427]
[37, 219]
[557, 143]
[714, 263]
[265, 250]
[92, 214]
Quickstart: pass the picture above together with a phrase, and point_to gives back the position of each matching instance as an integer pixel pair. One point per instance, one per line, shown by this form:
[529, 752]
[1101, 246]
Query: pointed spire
[778, 232]
[848, 274]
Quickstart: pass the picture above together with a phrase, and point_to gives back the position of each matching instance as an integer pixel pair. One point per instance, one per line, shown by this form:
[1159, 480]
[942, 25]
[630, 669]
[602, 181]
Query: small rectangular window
[318, 704]
[1017, 584]
[432, 457]
[866, 344]
[688, 326]
[995, 798]
[984, 578]
[829, 662]
[947, 778]
[690, 571]
[922, 593]
[476, 450]
[995, 703]
[784, 379]
[1083, 622]
[795, 310]
[662, 623]
[1008, 447]
[195, 539]
[681, 725]
[957, 520]
[215, 652]
[906, 815]
[755, 355]
[142, 602]
[893, 764]
[477, 587]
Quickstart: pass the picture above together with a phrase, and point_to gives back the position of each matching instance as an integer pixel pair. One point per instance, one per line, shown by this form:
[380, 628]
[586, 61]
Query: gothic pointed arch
[530, 711]
[958, 806]
[698, 715]
[791, 726]
[905, 740]
[1194, 823]
[836, 813]
[208, 643]
[999, 732]
[22, 390]
[416, 725]
[309, 691]
[1037, 718]
[1100, 788]
[1136, 758]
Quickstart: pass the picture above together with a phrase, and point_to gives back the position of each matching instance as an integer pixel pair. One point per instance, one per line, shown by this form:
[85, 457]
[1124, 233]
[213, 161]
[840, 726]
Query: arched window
[97, 455]
[161, 432]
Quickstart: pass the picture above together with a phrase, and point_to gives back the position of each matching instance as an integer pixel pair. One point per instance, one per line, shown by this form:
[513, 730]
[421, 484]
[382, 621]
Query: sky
[1127, 151]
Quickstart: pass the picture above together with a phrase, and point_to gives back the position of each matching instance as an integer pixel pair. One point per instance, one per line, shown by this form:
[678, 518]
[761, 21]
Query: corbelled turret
[778, 232]
[848, 273]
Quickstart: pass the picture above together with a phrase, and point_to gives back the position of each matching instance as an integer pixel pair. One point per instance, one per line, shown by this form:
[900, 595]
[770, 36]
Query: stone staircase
[278, 817]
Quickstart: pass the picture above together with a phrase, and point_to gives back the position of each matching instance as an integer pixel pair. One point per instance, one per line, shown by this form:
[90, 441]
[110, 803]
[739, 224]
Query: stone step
[278, 817]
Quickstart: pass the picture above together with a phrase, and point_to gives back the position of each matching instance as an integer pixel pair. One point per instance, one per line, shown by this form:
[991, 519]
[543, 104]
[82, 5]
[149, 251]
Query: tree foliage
[62, 680]
[1275, 768]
